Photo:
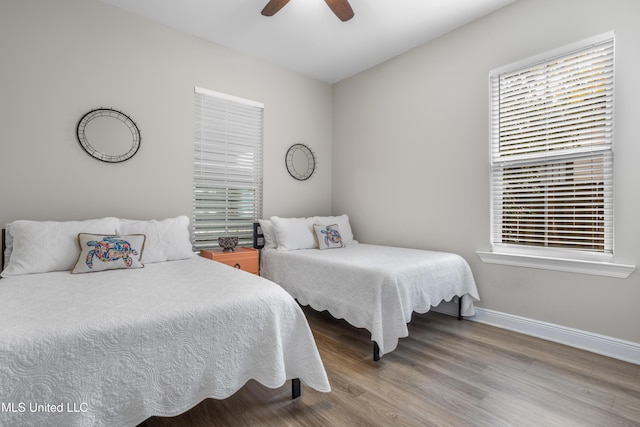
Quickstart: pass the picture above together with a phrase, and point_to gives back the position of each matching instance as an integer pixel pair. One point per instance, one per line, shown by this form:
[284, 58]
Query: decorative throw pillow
[99, 252]
[343, 223]
[328, 236]
[167, 240]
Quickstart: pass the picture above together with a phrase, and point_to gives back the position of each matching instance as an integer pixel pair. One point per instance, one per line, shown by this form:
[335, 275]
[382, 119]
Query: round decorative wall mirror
[301, 163]
[108, 135]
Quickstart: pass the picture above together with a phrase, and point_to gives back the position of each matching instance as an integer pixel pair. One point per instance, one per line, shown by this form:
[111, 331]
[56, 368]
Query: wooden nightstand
[243, 258]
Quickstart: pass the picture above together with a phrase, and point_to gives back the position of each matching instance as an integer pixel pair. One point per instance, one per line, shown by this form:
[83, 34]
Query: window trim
[546, 257]
[597, 268]
[222, 167]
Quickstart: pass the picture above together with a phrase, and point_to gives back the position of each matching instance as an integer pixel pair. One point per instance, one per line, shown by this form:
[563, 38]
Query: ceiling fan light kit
[341, 8]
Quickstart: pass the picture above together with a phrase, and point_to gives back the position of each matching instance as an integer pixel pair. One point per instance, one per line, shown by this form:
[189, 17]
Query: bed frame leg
[376, 352]
[459, 308]
[295, 388]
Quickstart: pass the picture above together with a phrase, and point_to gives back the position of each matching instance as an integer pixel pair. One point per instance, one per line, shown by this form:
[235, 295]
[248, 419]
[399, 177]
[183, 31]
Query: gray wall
[62, 58]
[411, 156]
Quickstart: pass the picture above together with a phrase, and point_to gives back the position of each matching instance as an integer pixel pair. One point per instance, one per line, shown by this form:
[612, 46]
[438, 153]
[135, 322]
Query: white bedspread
[115, 347]
[372, 287]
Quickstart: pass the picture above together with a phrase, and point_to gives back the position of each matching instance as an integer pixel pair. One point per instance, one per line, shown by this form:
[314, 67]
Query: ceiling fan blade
[273, 7]
[341, 8]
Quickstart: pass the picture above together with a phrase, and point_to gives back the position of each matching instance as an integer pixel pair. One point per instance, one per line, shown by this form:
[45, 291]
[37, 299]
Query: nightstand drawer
[242, 258]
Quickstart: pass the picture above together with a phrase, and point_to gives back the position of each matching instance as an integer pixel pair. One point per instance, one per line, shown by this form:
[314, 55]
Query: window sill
[608, 269]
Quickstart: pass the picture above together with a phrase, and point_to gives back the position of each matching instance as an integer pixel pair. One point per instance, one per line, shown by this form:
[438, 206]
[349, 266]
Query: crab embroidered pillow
[100, 252]
[328, 236]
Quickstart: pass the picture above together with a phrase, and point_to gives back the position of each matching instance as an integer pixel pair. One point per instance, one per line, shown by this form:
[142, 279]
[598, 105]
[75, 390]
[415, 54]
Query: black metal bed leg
[376, 352]
[295, 388]
[459, 308]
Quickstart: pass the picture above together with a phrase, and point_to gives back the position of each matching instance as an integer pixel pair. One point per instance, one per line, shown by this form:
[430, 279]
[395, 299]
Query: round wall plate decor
[300, 161]
[108, 135]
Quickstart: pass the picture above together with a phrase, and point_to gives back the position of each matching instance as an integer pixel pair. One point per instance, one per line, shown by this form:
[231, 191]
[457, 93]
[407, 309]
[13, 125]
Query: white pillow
[167, 240]
[269, 234]
[43, 246]
[8, 243]
[100, 253]
[294, 233]
[343, 224]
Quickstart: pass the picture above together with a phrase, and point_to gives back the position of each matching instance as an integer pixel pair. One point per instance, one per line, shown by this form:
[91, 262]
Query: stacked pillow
[43, 246]
[287, 234]
[106, 243]
[167, 240]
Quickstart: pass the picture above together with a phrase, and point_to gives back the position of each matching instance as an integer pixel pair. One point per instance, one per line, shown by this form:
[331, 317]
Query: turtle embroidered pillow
[328, 236]
[100, 252]
[342, 221]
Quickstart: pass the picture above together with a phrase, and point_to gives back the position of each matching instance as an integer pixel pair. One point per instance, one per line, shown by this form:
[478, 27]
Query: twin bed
[102, 331]
[370, 286]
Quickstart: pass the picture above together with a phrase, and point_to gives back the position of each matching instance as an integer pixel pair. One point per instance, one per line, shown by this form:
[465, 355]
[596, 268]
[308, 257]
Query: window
[227, 178]
[552, 161]
[552, 153]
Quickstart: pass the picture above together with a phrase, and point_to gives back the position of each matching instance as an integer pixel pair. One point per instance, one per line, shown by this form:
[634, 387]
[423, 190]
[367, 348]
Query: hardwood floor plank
[445, 373]
[559, 407]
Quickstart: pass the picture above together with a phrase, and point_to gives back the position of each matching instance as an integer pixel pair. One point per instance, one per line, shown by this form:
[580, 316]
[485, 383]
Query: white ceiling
[306, 37]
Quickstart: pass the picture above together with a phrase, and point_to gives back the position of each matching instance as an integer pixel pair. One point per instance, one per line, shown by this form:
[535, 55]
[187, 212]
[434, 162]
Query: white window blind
[552, 151]
[227, 179]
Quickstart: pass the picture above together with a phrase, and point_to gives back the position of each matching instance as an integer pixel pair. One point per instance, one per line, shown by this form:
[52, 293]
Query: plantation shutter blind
[552, 152]
[227, 179]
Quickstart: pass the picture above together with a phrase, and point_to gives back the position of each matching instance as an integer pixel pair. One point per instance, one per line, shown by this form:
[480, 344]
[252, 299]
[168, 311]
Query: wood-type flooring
[446, 373]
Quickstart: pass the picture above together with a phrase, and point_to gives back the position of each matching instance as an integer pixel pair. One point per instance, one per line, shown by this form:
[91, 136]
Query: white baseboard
[595, 343]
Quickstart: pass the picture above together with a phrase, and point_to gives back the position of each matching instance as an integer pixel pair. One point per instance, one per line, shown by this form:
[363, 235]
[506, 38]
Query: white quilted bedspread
[113, 348]
[372, 287]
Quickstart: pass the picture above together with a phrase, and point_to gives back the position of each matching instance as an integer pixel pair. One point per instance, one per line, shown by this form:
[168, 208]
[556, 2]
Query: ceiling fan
[341, 8]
